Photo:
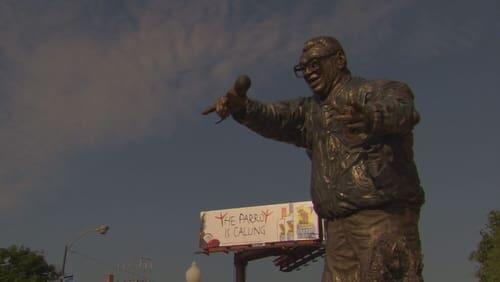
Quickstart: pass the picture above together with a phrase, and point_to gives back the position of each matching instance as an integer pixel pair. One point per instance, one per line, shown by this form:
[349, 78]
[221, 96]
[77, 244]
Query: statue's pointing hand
[229, 104]
[221, 107]
[234, 101]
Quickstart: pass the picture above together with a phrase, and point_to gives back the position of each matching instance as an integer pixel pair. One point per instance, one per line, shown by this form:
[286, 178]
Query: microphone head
[242, 84]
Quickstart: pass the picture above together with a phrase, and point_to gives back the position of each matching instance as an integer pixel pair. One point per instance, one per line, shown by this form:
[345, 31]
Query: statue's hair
[328, 42]
[331, 45]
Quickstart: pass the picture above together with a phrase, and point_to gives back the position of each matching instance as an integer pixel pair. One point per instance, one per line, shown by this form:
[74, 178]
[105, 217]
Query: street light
[193, 274]
[101, 229]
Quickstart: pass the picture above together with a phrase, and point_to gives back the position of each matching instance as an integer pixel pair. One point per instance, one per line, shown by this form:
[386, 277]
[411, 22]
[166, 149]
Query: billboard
[259, 225]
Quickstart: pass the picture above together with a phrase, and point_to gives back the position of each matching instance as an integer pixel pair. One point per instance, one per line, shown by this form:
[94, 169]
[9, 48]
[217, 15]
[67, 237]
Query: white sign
[259, 225]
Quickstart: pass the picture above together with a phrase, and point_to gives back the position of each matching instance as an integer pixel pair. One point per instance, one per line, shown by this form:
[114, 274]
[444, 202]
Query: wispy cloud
[85, 75]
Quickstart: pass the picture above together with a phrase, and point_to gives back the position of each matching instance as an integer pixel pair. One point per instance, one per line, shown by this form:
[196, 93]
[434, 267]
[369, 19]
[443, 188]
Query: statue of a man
[364, 183]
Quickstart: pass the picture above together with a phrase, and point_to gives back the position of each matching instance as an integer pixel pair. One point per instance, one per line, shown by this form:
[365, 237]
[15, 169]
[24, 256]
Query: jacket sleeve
[390, 109]
[282, 121]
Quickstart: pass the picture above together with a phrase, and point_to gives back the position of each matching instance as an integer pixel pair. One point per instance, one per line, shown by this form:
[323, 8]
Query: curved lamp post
[102, 229]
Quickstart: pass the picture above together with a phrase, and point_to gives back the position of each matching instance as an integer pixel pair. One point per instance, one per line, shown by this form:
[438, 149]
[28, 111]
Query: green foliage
[20, 264]
[488, 250]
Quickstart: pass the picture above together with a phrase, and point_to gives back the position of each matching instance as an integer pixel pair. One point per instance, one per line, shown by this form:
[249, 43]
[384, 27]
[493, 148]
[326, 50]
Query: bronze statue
[364, 183]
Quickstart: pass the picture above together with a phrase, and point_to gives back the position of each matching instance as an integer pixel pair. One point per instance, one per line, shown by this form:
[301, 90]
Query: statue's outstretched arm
[282, 121]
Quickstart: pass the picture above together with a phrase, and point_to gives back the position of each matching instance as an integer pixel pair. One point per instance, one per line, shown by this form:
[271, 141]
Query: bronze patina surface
[364, 182]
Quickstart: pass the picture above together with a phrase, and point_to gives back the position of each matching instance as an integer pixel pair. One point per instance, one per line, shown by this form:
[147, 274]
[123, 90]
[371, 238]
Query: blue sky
[100, 122]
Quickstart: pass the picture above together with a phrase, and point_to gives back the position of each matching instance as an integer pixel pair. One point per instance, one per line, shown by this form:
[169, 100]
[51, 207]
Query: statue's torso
[354, 171]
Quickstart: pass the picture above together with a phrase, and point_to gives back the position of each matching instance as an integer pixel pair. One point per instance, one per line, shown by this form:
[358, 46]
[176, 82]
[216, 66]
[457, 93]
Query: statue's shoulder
[298, 102]
[306, 100]
[377, 84]
[381, 86]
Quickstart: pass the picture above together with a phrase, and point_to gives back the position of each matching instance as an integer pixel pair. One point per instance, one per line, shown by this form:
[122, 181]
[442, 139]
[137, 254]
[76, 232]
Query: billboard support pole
[240, 267]
[242, 258]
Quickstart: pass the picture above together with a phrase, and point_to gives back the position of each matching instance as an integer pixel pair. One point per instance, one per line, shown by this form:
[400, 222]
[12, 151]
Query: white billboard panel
[259, 225]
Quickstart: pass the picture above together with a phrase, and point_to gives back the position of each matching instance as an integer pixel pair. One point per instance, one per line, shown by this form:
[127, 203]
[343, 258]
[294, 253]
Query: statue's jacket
[350, 170]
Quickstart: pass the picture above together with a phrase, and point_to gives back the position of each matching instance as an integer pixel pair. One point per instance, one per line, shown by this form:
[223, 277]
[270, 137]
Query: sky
[100, 122]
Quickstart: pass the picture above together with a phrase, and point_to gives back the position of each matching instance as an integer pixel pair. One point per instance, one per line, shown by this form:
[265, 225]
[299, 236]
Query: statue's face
[319, 70]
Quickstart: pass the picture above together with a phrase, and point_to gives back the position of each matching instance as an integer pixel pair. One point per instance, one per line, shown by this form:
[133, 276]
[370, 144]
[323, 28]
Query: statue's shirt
[350, 170]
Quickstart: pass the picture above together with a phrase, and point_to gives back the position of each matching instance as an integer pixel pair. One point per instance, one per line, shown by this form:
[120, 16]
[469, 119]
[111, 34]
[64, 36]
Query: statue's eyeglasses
[312, 65]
